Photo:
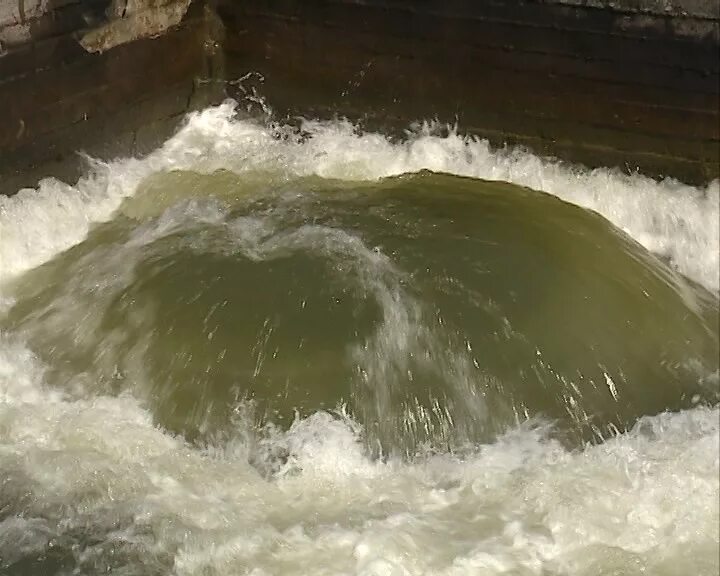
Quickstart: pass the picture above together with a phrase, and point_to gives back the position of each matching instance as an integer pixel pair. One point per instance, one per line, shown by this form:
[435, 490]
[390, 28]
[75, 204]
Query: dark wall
[57, 98]
[636, 86]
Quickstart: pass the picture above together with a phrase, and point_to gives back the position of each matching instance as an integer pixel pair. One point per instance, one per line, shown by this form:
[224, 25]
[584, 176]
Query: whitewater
[91, 482]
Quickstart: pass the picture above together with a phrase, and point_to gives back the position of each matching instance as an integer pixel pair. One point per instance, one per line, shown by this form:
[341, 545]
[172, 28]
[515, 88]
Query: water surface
[257, 352]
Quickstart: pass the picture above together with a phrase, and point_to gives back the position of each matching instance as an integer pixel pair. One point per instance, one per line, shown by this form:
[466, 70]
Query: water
[263, 352]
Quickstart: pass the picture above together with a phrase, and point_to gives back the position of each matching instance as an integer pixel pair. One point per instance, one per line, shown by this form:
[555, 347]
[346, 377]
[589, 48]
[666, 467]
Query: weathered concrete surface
[106, 77]
[628, 83]
[692, 8]
[110, 22]
[23, 21]
[600, 86]
[134, 19]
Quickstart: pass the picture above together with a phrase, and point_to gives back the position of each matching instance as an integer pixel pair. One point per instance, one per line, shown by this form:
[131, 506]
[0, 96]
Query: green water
[438, 311]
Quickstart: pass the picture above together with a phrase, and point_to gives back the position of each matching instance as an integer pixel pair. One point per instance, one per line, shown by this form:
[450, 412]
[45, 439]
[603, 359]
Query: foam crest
[678, 222]
[37, 224]
[643, 502]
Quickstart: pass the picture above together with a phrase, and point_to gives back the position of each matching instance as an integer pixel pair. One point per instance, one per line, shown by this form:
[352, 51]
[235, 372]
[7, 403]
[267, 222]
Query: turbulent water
[268, 351]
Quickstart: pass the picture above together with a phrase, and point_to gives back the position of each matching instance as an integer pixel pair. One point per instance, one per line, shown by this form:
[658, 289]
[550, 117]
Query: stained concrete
[628, 83]
[101, 23]
[617, 87]
[110, 78]
[133, 19]
[682, 8]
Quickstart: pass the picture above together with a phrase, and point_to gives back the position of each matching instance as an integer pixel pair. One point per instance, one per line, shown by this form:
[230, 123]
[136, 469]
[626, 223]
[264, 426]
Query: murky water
[258, 352]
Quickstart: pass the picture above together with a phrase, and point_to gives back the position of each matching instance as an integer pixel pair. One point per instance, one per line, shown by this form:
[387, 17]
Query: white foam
[676, 221]
[644, 502]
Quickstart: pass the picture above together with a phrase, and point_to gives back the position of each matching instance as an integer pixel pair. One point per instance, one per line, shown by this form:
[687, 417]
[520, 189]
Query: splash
[92, 484]
[136, 499]
[676, 221]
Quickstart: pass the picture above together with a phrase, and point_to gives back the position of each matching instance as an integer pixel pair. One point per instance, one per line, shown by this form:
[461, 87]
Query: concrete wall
[635, 85]
[629, 83]
[684, 8]
[110, 77]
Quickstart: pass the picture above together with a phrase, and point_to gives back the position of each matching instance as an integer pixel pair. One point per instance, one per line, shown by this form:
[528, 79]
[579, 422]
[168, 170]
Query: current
[267, 350]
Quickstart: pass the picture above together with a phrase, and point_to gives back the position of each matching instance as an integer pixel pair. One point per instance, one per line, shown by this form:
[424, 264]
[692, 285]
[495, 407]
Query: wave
[673, 220]
[135, 497]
